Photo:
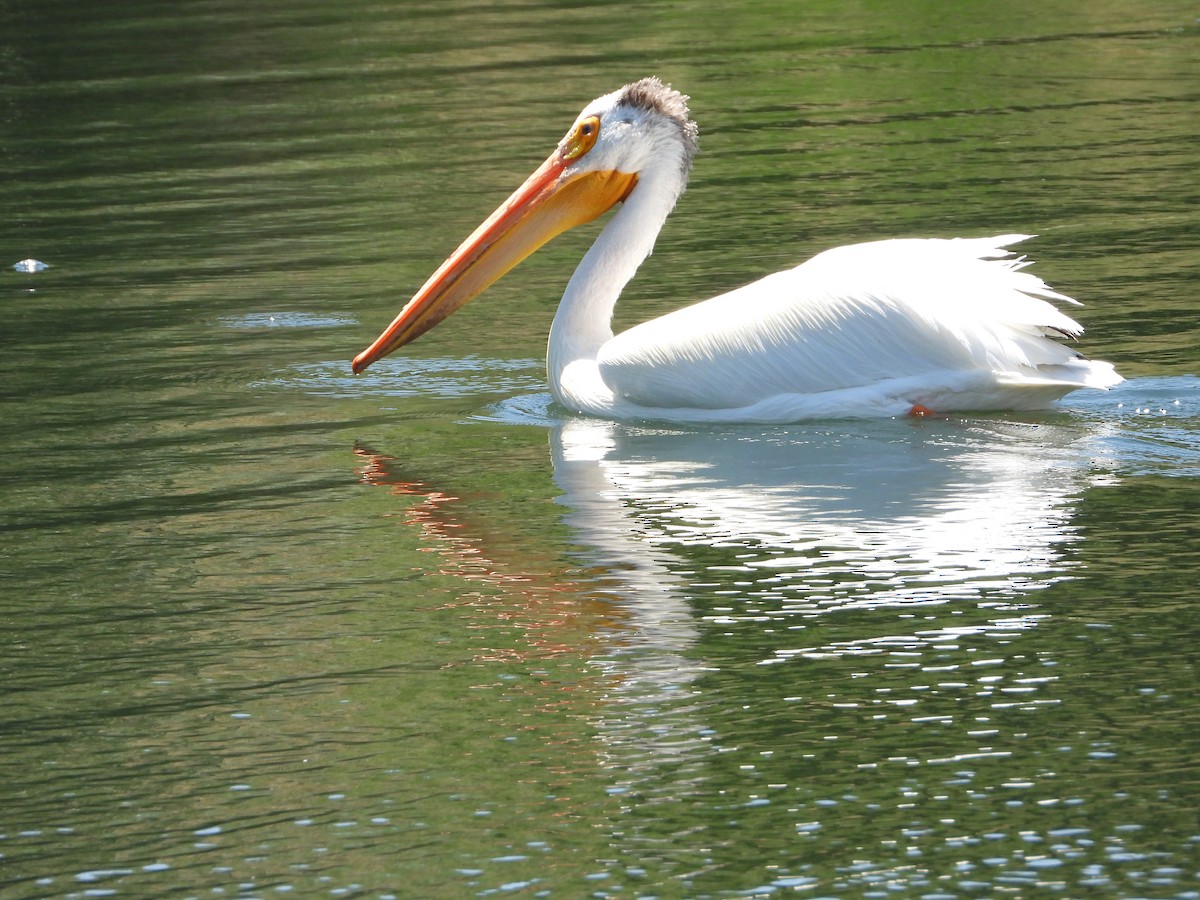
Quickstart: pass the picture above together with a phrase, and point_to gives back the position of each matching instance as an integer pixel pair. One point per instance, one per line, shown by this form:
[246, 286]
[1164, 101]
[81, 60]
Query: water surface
[269, 628]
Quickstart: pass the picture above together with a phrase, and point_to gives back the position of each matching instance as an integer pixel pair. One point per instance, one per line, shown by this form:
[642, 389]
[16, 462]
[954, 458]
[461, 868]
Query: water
[269, 628]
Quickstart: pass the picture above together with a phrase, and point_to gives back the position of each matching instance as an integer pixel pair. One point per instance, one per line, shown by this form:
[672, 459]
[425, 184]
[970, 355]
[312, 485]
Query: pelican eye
[582, 137]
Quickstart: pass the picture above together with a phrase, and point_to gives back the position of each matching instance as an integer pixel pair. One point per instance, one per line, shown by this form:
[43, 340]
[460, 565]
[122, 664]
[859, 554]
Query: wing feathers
[850, 317]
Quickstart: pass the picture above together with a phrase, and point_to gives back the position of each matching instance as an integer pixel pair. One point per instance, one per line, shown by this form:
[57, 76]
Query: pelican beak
[550, 202]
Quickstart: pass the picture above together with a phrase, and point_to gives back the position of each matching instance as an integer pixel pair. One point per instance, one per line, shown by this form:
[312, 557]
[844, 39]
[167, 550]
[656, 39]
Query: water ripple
[401, 376]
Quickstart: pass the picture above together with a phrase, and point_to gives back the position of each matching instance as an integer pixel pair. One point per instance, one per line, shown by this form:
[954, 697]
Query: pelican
[887, 328]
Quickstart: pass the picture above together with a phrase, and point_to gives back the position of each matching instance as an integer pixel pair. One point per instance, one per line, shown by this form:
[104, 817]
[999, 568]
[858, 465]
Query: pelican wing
[957, 313]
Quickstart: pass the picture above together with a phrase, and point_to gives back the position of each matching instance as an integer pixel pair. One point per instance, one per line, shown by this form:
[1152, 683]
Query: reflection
[514, 590]
[800, 522]
[806, 549]
[647, 666]
[779, 536]
[782, 532]
[789, 625]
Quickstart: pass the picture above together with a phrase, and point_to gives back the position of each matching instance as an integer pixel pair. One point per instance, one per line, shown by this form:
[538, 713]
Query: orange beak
[547, 204]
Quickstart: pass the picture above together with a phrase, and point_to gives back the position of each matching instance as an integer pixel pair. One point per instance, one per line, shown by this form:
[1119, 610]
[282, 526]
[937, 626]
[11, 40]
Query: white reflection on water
[788, 525]
[803, 521]
[777, 531]
[647, 659]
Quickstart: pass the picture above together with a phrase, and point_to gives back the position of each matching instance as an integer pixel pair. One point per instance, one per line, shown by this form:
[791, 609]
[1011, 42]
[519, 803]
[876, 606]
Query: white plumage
[863, 330]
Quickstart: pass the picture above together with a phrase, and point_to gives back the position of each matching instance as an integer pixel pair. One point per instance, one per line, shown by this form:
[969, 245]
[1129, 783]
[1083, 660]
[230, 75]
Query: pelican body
[875, 329]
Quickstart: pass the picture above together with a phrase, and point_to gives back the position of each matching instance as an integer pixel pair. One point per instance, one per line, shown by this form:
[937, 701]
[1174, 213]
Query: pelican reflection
[796, 523]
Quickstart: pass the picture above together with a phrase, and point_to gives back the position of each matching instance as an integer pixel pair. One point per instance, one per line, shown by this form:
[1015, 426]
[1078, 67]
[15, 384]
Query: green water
[269, 628]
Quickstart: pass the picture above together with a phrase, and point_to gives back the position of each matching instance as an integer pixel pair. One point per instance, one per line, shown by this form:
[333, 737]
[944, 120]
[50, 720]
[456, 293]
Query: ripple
[1145, 426]
[524, 409]
[251, 321]
[30, 266]
[438, 378]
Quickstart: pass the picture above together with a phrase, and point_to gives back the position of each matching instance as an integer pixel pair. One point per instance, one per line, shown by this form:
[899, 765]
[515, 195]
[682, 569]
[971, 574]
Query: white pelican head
[640, 133]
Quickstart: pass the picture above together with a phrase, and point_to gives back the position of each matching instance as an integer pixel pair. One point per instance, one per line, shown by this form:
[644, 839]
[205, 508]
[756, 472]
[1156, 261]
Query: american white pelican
[877, 329]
